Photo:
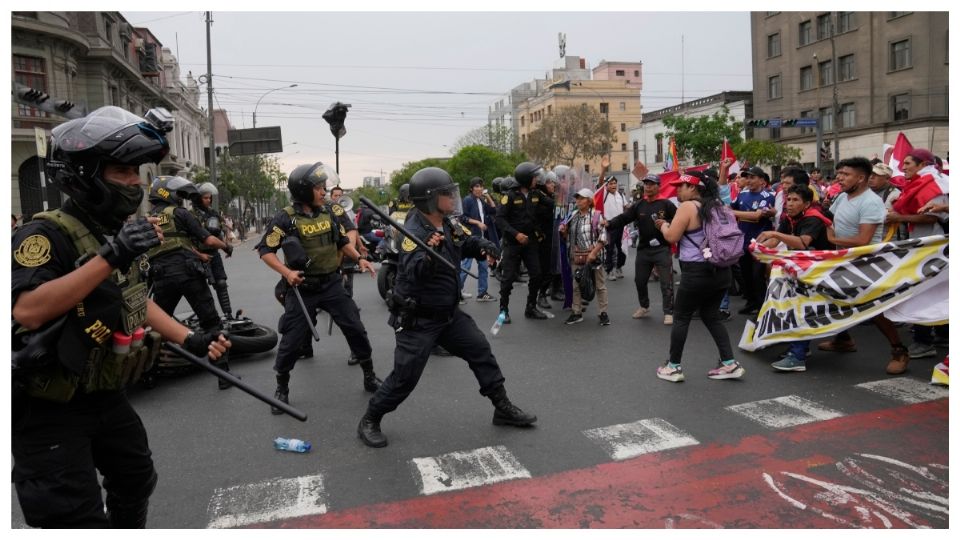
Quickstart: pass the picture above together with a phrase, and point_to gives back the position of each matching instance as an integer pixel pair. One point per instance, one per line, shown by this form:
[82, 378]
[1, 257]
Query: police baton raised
[225, 375]
[436, 256]
[306, 314]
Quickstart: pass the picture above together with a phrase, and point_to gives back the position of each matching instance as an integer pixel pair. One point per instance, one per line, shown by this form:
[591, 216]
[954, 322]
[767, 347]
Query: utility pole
[213, 153]
[836, 81]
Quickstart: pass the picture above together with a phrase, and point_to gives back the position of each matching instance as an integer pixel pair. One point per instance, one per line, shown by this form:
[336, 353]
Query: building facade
[866, 75]
[91, 59]
[649, 142]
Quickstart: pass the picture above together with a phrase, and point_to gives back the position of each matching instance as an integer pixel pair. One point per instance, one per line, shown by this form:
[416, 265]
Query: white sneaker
[619, 272]
[668, 320]
[641, 312]
[466, 295]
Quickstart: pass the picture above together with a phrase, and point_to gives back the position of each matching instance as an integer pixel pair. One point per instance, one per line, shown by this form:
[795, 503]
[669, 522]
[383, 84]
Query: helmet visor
[89, 131]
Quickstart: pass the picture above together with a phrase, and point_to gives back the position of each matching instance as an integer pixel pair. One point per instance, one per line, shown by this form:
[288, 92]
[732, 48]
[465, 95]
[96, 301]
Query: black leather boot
[224, 298]
[543, 302]
[283, 391]
[533, 313]
[506, 413]
[369, 430]
[370, 381]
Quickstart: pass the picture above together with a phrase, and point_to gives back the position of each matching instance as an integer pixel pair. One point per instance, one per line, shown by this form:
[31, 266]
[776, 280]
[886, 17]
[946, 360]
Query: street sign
[265, 140]
[775, 122]
[806, 122]
[41, 136]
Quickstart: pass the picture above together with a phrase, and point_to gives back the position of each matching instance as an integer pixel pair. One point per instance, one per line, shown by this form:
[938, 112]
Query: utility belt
[434, 313]
[315, 281]
[105, 369]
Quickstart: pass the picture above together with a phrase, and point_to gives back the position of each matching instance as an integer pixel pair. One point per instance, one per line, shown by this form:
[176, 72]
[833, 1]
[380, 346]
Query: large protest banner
[821, 293]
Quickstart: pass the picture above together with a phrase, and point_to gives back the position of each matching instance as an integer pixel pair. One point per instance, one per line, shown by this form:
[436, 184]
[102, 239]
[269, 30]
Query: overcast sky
[418, 81]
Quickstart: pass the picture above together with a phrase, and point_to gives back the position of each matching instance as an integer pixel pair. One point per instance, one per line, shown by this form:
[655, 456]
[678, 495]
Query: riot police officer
[176, 268]
[212, 220]
[546, 215]
[424, 308]
[79, 307]
[519, 220]
[313, 237]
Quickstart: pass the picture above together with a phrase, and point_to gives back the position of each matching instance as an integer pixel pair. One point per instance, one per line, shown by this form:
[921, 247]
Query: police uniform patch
[343, 232]
[337, 210]
[504, 199]
[273, 239]
[408, 244]
[33, 251]
[465, 229]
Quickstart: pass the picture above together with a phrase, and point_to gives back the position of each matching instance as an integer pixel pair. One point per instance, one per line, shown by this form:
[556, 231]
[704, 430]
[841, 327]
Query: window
[636, 73]
[623, 106]
[773, 45]
[604, 108]
[623, 127]
[806, 78]
[623, 166]
[549, 110]
[108, 29]
[523, 120]
[623, 147]
[848, 115]
[115, 95]
[846, 21]
[659, 149]
[32, 72]
[586, 167]
[900, 55]
[824, 26]
[847, 68]
[806, 33]
[775, 133]
[826, 73]
[636, 151]
[805, 130]
[621, 73]
[826, 118]
[773, 87]
[901, 106]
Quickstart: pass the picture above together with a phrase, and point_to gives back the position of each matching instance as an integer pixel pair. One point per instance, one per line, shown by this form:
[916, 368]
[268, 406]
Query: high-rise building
[866, 75]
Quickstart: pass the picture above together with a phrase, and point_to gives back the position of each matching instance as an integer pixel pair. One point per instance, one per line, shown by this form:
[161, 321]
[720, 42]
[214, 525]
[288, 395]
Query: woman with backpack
[706, 232]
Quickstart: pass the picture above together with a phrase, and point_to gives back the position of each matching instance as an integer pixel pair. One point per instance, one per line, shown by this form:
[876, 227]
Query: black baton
[436, 256]
[306, 314]
[202, 362]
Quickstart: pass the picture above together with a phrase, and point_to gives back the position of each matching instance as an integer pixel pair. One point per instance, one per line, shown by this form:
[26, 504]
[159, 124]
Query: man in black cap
[755, 207]
[653, 251]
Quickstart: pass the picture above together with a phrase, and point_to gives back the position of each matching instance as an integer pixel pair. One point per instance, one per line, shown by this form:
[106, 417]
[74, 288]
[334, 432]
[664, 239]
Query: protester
[653, 251]
[613, 204]
[803, 227]
[585, 238]
[479, 213]
[857, 216]
[754, 209]
[702, 284]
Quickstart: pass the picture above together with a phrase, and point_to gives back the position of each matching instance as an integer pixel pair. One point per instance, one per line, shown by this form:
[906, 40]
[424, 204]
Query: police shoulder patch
[337, 209]
[33, 251]
[273, 239]
[504, 199]
[408, 244]
[465, 229]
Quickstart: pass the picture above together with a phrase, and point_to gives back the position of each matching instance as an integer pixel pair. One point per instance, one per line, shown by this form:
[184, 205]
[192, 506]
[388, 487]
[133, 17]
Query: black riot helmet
[527, 174]
[509, 183]
[80, 149]
[428, 184]
[497, 185]
[305, 177]
[172, 189]
[403, 194]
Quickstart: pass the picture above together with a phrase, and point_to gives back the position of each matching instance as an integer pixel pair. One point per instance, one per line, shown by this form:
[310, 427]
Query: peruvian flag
[666, 190]
[598, 197]
[894, 156]
[727, 152]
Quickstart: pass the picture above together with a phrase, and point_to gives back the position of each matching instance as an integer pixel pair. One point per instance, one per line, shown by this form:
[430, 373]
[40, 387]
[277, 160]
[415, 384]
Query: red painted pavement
[714, 485]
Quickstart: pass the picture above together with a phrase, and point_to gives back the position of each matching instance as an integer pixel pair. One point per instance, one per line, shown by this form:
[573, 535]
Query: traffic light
[758, 123]
[32, 97]
[825, 154]
[790, 122]
[336, 115]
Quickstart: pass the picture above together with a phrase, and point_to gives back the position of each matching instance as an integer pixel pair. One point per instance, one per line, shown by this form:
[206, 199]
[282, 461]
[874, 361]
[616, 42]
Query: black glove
[199, 343]
[133, 240]
[228, 250]
[490, 248]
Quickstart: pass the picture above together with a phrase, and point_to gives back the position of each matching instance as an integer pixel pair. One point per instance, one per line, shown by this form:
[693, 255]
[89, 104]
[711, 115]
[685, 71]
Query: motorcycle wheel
[386, 278]
[257, 339]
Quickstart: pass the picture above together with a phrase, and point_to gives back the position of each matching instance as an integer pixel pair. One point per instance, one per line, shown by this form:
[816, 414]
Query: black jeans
[168, 291]
[702, 286]
[513, 253]
[614, 257]
[647, 259]
[753, 280]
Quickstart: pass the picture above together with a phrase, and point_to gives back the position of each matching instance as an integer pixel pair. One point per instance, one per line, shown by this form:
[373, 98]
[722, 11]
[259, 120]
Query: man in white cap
[586, 239]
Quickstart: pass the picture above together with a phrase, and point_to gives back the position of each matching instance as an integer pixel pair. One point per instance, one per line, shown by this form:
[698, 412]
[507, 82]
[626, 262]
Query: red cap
[119, 338]
[686, 179]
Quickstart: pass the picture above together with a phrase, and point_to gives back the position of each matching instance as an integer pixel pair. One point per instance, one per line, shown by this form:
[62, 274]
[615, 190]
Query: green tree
[472, 161]
[700, 138]
[402, 176]
[379, 195]
[571, 133]
[499, 138]
[766, 152]
[255, 182]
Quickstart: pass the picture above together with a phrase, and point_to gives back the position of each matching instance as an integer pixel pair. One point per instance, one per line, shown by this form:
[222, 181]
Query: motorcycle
[389, 254]
[246, 338]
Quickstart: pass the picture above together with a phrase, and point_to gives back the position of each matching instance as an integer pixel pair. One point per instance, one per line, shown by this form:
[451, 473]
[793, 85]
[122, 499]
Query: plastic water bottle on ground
[291, 445]
[547, 313]
[498, 324]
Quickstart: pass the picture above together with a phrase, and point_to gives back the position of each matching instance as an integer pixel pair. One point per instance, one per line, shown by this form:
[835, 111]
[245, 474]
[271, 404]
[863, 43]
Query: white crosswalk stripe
[278, 498]
[906, 390]
[624, 441]
[461, 470]
[783, 412]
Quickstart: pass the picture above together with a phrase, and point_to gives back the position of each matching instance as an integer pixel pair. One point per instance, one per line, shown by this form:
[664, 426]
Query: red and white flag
[727, 152]
[894, 156]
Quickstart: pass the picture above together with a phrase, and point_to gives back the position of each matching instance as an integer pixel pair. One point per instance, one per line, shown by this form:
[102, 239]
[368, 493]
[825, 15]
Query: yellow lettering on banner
[312, 229]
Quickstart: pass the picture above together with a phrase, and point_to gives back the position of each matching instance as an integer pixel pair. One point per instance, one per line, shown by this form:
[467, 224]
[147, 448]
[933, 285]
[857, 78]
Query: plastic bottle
[138, 337]
[498, 324]
[547, 313]
[291, 445]
[121, 342]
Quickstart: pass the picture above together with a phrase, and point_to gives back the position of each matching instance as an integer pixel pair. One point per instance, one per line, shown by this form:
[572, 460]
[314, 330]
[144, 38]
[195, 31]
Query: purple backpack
[723, 243]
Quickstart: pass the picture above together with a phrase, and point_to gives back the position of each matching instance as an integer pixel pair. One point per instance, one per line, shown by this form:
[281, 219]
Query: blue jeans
[800, 349]
[481, 272]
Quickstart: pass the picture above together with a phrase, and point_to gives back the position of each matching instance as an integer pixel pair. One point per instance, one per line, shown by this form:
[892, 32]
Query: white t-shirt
[613, 204]
[849, 214]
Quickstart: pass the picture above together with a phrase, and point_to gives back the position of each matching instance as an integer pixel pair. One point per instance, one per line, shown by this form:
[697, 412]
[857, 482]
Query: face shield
[453, 203]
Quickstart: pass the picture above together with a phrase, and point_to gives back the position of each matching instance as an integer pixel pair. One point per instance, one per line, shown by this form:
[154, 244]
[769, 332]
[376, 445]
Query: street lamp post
[265, 95]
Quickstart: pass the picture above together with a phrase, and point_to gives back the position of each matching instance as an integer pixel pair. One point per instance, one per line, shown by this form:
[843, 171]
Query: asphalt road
[217, 465]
